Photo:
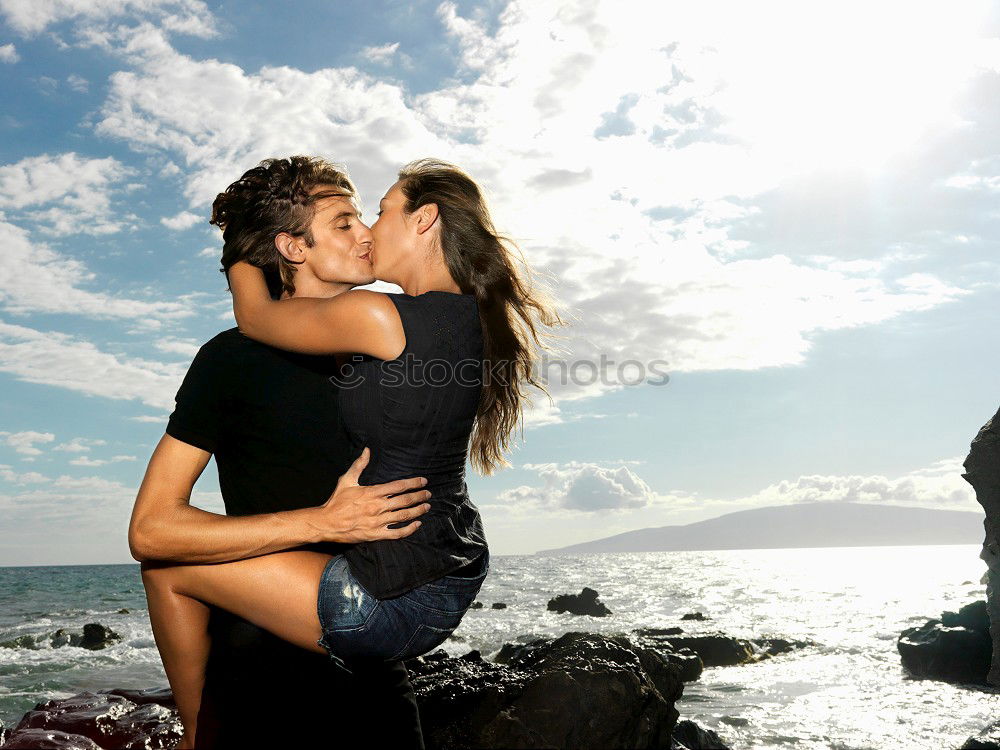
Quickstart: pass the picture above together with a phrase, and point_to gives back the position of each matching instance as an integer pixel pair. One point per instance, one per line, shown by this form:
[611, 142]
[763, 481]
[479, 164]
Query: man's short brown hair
[278, 195]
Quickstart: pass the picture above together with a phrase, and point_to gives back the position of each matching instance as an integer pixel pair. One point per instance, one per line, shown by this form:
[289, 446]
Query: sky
[783, 216]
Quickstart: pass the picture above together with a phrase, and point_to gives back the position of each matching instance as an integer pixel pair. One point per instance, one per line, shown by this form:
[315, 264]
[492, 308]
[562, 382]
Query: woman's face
[393, 233]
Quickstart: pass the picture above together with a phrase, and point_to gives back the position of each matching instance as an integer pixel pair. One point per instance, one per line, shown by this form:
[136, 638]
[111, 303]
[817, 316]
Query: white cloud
[584, 487]
[342, 113]
[79, 445]
[57, 359]
[186, 347]
[7, 474]
[381, 55]
[568, 490]
[91, 462]
[33, 16]
[183, 220]
[8, 53]
[937, 486]
[78, 83]
[644, 256]
[35, 278]
[24, 442]
[66, 193]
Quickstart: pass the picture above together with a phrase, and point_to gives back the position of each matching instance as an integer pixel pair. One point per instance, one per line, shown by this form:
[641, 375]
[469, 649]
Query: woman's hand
[356, 513]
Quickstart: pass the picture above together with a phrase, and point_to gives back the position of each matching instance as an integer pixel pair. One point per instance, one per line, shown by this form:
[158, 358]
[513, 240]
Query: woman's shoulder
[366, 301]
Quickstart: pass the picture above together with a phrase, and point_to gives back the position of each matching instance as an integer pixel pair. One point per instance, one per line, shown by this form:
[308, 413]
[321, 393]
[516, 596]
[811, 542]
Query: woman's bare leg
[277, 592]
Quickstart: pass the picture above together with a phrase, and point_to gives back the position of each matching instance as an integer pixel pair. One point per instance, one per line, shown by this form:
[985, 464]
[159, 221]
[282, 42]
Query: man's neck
[312, 287]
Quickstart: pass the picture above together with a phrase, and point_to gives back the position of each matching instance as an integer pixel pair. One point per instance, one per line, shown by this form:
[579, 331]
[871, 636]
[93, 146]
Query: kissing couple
[359, 564]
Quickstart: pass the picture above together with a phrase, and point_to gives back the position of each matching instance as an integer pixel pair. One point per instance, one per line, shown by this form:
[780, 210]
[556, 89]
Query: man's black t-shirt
[271, 419]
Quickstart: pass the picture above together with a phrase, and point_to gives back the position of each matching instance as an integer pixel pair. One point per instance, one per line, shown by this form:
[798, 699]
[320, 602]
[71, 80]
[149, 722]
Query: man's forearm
[193, 535]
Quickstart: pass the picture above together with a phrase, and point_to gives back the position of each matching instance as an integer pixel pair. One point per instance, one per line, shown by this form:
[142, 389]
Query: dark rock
[952, 654]
[22, 641]
[973, 616]
[584, 603]
[94, 636]
[982, 471]
[123, 611]
[765, 648]
[582, 690]
[476, 605]
[717, 649]
[49, 739]
[97, 636]
[687, 661]
[713, 649]
[162, 696]
[107, 718]
[499, 605]
[987, 739]
[689, 736]
[693, 616]
[652, 632]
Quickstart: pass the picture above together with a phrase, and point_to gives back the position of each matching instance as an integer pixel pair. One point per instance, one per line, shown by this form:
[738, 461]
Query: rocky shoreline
[581, 690]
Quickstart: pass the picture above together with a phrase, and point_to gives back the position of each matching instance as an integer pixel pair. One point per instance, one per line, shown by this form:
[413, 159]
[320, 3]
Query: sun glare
[851, 85]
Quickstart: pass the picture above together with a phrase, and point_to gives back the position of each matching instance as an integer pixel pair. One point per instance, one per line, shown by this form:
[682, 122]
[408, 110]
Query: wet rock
[22, 641]
[50, 739]
[582, 690]
[765, 648]
[97, 636]
[955, 648]
[973, 616]
[693, 616]
[584, 603]
[107, 719]
[987, 739]
[123, 611]
[982, 471]
[652, 632]
[94, 636]
[499, 605]
[718, 649]
[476, 605]
[689, 736]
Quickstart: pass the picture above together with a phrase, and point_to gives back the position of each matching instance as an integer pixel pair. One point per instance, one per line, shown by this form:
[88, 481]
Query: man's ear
[427, 215]
[289, 248]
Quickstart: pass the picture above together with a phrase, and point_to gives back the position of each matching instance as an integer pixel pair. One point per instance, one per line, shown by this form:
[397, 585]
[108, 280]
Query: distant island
[821, 524]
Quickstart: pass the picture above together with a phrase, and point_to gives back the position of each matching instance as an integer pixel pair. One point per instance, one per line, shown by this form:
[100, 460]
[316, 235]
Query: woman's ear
[289, 248]
[427, 215]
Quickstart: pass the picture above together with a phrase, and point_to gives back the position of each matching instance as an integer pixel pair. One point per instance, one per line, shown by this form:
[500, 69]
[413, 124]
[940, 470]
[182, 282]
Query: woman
[441, 376]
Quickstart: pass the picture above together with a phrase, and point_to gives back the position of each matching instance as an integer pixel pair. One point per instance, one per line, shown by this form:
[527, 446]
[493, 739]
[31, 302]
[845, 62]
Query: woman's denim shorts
[359, 628]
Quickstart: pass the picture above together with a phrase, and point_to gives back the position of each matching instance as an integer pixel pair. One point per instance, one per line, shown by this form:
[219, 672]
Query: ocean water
[849, 691]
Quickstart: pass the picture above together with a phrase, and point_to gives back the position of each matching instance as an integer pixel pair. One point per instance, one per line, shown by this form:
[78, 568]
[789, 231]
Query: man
[270, 418]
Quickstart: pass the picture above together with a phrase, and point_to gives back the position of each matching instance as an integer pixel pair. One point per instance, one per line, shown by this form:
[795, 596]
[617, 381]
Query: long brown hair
[512, 309]
[278, 195]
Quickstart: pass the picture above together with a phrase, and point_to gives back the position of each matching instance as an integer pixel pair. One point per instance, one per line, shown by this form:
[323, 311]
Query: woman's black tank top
[416, 413]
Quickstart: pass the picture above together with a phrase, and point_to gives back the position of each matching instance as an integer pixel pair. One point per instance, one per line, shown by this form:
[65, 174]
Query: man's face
[342, 243]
